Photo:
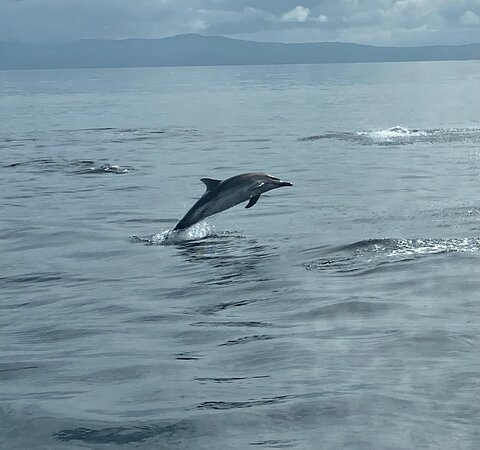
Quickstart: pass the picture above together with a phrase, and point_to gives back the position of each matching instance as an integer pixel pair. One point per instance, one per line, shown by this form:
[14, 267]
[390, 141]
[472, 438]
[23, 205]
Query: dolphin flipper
[210, 183]
[252, 201]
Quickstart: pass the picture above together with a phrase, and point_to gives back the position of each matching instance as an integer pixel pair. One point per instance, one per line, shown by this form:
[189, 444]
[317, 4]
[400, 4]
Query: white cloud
[469, 18]
[297, 14]
[199, 24]
[301, 14]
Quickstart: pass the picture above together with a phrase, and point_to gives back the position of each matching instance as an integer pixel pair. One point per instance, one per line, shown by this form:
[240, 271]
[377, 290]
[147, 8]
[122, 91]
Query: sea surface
[341, 313]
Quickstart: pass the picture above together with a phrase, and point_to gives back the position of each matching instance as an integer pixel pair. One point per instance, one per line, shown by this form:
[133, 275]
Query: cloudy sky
[382, 22]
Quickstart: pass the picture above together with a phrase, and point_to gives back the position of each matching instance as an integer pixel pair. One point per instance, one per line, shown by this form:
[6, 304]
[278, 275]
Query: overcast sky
[382, 22]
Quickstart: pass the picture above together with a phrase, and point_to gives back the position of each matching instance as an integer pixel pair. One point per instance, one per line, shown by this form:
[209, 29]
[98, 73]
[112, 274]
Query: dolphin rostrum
[221, 195]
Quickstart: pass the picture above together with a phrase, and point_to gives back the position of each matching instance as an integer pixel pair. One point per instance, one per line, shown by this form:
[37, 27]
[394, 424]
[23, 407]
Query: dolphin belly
[198, 213]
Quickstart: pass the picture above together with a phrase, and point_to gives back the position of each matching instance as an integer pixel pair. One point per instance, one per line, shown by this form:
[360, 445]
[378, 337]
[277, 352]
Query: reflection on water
[235, 258]
[174, 433]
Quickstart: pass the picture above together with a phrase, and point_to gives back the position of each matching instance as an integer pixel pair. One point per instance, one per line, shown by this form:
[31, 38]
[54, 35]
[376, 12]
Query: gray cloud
[388, 22]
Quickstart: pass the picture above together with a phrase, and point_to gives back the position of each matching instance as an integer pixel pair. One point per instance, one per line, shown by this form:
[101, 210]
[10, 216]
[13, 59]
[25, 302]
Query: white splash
[396, 132]
[412, 247]
[195, 232]
[394, 248]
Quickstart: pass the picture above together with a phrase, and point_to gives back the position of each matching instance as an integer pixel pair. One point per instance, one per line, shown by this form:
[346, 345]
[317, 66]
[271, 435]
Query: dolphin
[221, 195]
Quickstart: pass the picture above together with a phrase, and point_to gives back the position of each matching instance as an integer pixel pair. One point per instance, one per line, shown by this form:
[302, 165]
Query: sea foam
[168, 237]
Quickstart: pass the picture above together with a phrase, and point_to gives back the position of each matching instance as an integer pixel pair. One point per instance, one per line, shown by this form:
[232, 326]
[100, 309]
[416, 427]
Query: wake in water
[106, 168]
[402, 136]
[76, 166]
[395, 133]
[368, 255]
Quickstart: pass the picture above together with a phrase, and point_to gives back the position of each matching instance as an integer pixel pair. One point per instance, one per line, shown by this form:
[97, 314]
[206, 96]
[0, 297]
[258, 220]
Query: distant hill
[197, 50]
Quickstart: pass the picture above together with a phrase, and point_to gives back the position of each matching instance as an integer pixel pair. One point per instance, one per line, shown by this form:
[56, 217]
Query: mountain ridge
[201, 50]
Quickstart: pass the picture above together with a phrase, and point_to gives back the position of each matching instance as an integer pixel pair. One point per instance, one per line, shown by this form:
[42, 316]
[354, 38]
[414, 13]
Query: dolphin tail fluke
[252, 201]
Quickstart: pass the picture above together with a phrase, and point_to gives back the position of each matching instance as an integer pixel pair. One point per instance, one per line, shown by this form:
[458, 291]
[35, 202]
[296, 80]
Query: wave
[135, 130]
[244, 404]
[76, 166]
[398, 135]
[374, 254]
[100, 136]
[119, 135]
[412, 247]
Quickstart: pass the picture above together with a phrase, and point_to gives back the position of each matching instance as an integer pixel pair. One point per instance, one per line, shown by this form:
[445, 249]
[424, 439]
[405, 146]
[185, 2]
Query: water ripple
[223, 405]
[248, 339]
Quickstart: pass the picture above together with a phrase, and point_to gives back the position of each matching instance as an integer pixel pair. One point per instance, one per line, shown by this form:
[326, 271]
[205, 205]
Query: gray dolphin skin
[221, 195]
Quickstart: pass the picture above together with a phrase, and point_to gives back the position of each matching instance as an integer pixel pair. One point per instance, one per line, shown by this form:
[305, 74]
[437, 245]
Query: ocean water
[343, 312]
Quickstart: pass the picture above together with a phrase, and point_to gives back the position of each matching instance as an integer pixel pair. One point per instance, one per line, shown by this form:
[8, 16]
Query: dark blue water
[341, 313]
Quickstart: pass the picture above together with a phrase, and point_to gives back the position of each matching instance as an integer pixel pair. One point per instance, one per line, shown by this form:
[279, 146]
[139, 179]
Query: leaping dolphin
[221, 195]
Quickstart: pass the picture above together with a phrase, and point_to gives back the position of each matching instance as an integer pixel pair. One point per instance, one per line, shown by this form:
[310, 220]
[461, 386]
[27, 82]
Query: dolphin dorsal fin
[210, 183]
